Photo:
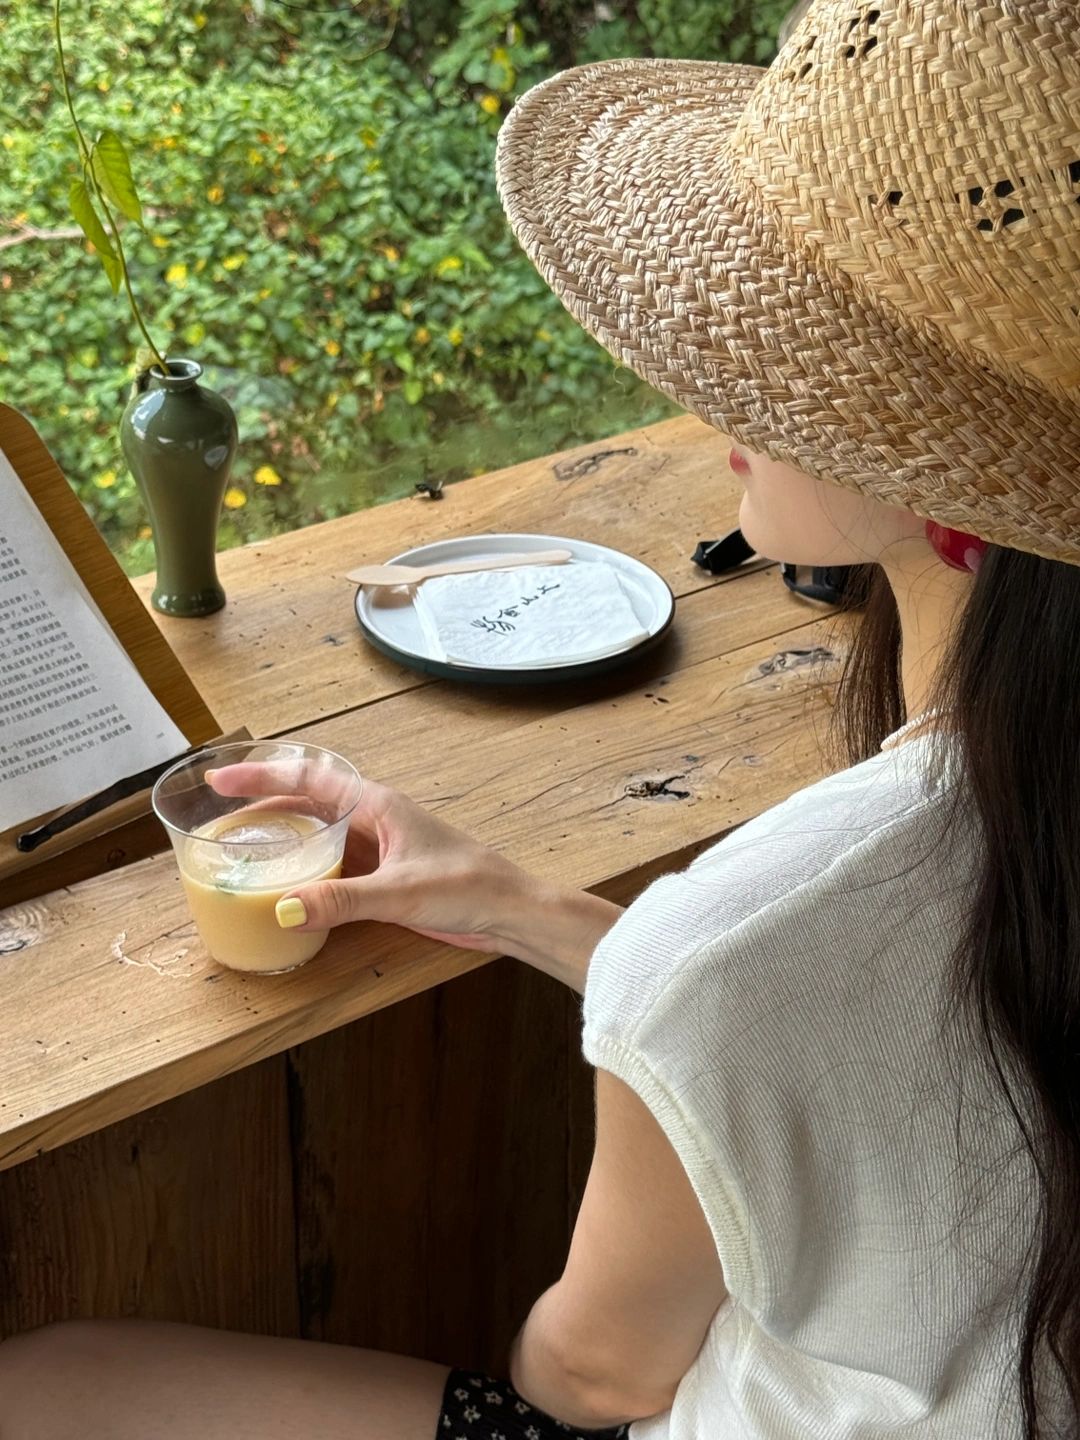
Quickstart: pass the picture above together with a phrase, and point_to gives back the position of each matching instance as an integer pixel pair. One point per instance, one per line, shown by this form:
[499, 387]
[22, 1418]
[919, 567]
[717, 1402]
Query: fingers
[319, 778]
[332, 902]
[291, 804]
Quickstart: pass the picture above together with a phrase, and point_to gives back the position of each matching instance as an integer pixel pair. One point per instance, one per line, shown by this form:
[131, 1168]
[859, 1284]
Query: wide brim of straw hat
[620, 183]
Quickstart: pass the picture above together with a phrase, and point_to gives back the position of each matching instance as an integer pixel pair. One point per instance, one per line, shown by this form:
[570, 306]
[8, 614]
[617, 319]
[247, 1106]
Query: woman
[837, 1171]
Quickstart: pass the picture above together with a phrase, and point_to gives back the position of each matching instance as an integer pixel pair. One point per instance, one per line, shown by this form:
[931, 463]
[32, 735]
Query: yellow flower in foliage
[447, 264]
[332, 347]
[145, 532]
[200, 20]
[235, 499]
[422, 336]
[233, 262]
[391, 253]
[106, 480]
[490, 104]
[9, 142]
[267, 475]
[456, 335]
[177, 275]
[254, 157]
[215, 194]
[159, 242]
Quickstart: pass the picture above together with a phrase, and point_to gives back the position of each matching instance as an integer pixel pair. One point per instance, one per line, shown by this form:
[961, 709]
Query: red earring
[962, 552]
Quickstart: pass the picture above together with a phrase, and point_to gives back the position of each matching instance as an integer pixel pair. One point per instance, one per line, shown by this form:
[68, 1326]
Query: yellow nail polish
[290, 912]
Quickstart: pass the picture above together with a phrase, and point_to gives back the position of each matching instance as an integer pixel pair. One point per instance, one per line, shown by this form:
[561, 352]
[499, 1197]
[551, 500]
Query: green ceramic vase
[180, 439]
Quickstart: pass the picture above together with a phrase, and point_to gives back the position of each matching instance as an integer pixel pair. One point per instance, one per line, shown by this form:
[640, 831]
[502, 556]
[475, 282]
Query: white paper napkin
[537, 615]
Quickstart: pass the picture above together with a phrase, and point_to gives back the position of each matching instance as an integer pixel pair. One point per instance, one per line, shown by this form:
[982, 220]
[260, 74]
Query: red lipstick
[739, 463]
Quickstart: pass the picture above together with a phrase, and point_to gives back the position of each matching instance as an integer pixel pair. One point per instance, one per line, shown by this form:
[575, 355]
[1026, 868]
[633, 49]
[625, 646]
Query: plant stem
[88, 172]
[159, 359]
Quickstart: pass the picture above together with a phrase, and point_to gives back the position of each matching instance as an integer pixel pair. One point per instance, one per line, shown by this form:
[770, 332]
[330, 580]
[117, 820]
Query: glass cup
[239, 853]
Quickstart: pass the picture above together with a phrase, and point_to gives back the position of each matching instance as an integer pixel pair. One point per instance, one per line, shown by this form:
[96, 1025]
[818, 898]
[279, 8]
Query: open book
[90, 693]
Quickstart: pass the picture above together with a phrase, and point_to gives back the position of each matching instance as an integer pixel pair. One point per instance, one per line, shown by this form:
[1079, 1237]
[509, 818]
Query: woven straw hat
[864, 261]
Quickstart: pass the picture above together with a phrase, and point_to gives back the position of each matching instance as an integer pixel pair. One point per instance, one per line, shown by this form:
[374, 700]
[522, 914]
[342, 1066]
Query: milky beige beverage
[233, 884]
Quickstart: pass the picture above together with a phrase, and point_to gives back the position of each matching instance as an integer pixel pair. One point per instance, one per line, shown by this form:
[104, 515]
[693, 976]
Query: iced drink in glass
[238, 854]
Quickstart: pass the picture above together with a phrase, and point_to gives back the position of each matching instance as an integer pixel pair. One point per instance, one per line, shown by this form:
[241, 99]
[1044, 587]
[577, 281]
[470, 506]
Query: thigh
[138, 1380]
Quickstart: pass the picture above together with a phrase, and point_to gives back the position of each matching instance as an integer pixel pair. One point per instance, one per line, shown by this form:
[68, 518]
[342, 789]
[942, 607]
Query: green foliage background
[324, 236]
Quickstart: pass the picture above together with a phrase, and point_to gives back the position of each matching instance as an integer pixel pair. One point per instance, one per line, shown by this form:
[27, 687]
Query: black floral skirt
[476, 1407]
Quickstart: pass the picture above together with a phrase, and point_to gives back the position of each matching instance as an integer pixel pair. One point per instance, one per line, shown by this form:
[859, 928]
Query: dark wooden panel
[181, 1213]
[436, 1165]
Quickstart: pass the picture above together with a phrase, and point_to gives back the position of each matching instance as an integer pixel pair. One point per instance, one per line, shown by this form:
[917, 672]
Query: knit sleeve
[763, 1005]
[630, 972]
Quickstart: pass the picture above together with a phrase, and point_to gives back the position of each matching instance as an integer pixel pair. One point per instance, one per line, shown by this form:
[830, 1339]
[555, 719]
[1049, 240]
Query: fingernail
[290, 912]
[209, 774]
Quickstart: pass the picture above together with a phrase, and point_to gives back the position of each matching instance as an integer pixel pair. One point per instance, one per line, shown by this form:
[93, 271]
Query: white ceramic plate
[390, 623]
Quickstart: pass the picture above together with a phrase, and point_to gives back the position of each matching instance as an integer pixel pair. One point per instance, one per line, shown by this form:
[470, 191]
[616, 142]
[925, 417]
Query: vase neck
[182, 375]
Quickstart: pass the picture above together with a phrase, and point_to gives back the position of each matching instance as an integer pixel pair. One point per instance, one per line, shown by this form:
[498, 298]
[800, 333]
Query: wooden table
[360, 1151]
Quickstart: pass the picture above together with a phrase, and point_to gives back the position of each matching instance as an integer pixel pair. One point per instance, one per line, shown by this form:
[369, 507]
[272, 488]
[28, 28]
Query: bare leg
[138, 1380]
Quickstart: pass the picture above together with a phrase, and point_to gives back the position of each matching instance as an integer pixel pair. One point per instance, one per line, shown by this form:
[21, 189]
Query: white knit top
[778, 1007]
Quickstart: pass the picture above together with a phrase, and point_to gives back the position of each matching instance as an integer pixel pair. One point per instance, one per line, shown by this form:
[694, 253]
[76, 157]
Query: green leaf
[414, 391]
[112, 170]
[82, 207]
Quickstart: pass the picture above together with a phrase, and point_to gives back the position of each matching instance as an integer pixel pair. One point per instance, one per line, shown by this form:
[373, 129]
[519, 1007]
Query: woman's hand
[403, 866]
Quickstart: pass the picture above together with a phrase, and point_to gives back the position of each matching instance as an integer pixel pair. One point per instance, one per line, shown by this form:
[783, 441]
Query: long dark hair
[1010, 682]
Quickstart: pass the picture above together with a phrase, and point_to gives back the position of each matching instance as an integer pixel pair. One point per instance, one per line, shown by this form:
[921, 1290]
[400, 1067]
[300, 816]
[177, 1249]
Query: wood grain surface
[184, 1211]
[392, 1184]
[359, 1152]
[287, 649]
[113, 1004]
[433, 1220]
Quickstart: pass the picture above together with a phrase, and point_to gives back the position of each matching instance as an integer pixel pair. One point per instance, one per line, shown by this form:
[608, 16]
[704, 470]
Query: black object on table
[831, 584]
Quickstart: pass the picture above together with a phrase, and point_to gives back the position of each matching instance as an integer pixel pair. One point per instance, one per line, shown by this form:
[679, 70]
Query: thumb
[330, 902]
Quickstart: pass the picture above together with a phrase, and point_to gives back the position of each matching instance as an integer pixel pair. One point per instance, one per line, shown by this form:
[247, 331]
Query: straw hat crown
[931, 152]
[864, 261]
